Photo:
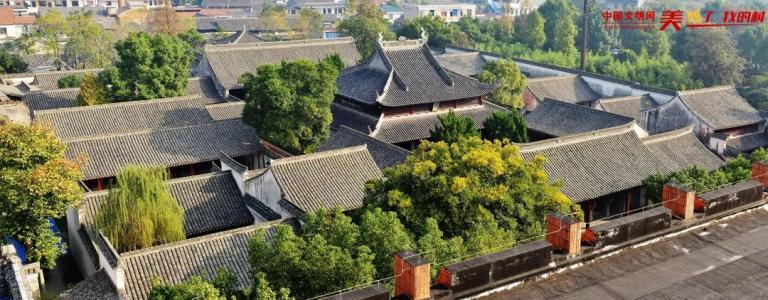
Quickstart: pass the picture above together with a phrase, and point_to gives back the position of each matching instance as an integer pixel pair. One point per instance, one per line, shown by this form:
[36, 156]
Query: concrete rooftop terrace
[727, 259]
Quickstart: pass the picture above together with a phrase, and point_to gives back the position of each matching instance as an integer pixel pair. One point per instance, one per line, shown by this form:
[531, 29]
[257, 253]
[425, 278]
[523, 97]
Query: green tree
[653, 42]
[92, 91]
[753, 46]
[262, 290]
[712, 56]
[88, 44]
[365, 23]
[383, 233]
[25, 43]
[51, 28]
[273, 18]
[559, 26]
[290, 104]
[439, 250]
[140, 211]
[308, 266]
[439, 33]
[310, 23]
[195, 288]
[11, 63]
[600, 39]
[530, 30]
[150, 67]
[69, 81]
[194, 39]
[453, 127]
[469, 185]
[511, 82]
[37, 182]
[506, 125]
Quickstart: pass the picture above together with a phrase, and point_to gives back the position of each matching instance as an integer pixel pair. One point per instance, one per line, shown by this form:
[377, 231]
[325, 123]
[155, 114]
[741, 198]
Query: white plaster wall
[77, 246]
[265, 189]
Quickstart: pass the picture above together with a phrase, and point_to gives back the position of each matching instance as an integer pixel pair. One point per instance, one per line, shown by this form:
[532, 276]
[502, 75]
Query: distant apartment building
[13, 24]
[450, 12]
[392, 13]
[514, 7]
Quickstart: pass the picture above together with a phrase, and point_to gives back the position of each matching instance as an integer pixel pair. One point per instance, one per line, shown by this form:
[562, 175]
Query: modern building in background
[450, 12]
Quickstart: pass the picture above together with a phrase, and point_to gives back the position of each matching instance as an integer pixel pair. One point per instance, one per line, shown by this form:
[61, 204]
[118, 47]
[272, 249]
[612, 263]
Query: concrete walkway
[726, 260]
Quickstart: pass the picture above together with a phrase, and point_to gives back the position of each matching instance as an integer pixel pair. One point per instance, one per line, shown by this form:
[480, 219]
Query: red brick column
[564, 232]
[760, 172]
[412, 276]
[679, 199]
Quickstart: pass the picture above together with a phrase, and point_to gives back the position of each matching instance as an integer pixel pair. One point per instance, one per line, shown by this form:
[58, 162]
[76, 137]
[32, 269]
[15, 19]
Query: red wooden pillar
[679, 199]
[760, 172]
[412, 276]
[564, 232]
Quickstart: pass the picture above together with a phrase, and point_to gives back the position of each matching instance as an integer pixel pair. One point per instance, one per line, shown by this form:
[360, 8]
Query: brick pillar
[564, 232]
[679, 199]
[760, 172]
[412, 275]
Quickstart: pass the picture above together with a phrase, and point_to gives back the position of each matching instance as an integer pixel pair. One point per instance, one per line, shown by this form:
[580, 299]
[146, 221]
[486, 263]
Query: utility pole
[585, 31]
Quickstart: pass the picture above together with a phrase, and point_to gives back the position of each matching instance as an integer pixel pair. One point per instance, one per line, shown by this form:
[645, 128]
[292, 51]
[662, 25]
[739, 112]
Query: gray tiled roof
[51, 99]
[211, 203]
[226, 111]
[204, 86]
[720, 107]
[416, 127]
[467, 63]
[410, 75]
[50, 80]
[681, 149]
[177, 262]
[345, 116]
[385, 154]
[327, 179]
[597, 163]
[124, 117]
[629, 106]
[558, 118]
[62, 98]
[747, 143]
[98, 286]
[230, 62]
[571, 88]
[166, 147]
[38, 61]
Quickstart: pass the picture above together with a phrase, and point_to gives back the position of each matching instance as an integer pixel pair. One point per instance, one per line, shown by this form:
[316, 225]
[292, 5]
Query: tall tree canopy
[470, 187]
[88, 44]
[440, 34]
[36, 183]
[165, 20]
[52, 28]
[150, 66]
[453, 127]
[511, 82]
[92, 91]
[559, 27]
[653, 42]
[600, 39]
[273, 18]
[530, 30]
[753, 44]
[139, 211]
[506, 125]
[309, 265]
[712, 56]
[310, 23]
[290, 104]
[365, 23]
[11, 63]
